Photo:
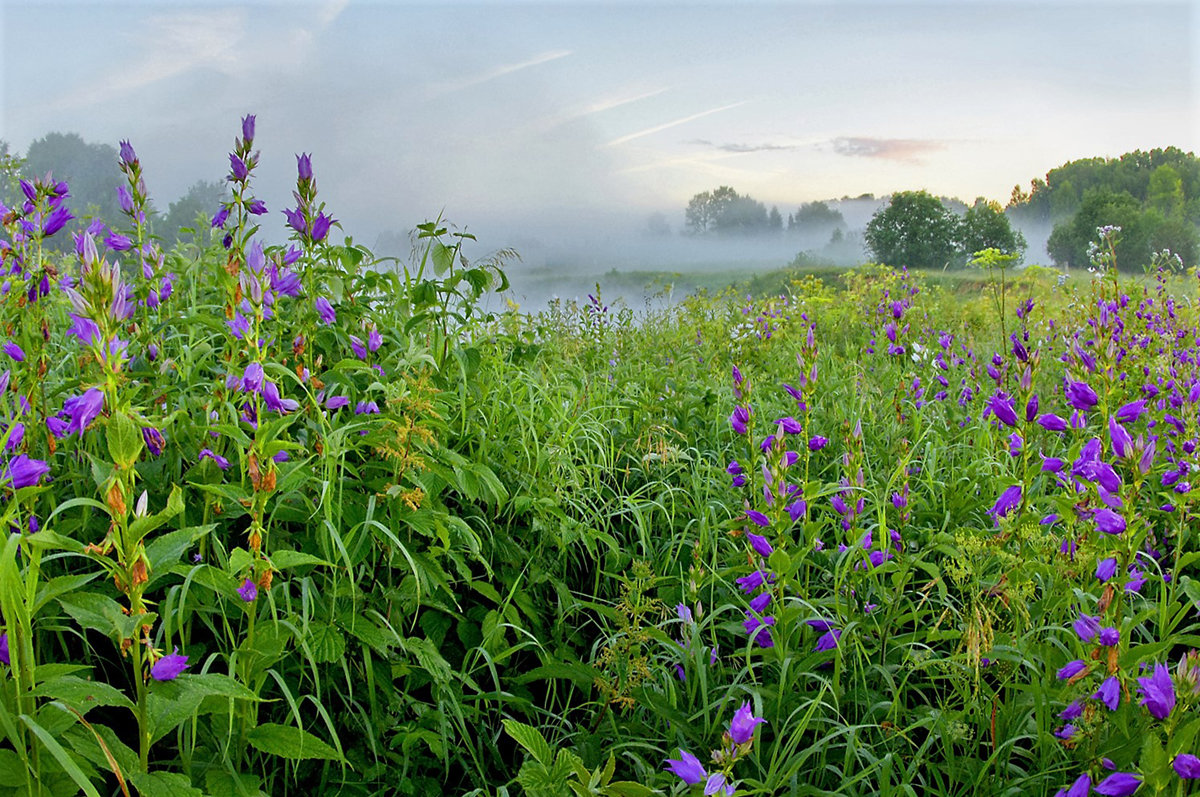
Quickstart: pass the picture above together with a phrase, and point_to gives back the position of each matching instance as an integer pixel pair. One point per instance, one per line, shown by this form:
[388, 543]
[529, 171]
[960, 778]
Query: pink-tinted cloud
[897, 149]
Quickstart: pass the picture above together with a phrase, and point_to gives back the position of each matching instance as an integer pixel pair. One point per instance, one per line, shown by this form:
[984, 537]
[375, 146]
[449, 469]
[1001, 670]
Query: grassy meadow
[288, 520]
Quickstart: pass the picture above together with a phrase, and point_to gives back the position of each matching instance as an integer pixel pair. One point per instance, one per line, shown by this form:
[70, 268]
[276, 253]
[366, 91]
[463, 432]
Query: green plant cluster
[307, 522]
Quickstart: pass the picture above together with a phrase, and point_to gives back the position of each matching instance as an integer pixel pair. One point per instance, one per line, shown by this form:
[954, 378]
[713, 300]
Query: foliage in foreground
[285, 520]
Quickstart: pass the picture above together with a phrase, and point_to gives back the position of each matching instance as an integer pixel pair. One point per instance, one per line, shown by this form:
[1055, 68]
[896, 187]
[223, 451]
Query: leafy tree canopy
[90, 170]
[816, 216]
[1168, 179]
[202, 199]
[725, 212]
[1144, 231]
[984, 226]
[914, 230]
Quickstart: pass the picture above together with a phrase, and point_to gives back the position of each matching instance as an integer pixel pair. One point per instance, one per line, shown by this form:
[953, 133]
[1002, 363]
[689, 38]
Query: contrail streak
[651, 130]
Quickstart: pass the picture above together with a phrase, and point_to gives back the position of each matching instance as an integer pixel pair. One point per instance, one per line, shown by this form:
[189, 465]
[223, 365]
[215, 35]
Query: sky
[521, 117]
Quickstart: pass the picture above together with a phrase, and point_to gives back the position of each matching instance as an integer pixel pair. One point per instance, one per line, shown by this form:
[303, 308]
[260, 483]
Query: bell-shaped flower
[1158, 692]
[688, 768]
[169, 667]
[741, 729]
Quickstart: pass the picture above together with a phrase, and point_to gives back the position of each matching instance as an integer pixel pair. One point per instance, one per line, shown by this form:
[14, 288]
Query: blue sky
[556, 113]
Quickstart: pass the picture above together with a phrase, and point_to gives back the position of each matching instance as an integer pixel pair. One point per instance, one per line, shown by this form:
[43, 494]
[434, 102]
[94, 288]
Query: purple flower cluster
[737, 739]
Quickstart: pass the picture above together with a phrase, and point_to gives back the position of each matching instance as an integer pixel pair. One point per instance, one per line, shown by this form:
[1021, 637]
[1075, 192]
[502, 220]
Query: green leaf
[94, 611]
[442, 256]
[627, 788]
[164, 784]
[212, 683]
[245, 784]
[171, 703]
[82, 695]
[61, 586]
[780, 562]
[61, 756]
[287, 741]
[125, 442]
[12, 770]
[142, 526]
[326, 643]
[531, 739]
[282, 560]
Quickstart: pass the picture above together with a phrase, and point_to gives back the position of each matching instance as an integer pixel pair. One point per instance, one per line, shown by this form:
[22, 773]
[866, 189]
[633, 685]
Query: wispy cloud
[659, 128]
[174, 44]
[897, 149]
[739, 149]
[708, 163]
[601, 105]
[449, 87]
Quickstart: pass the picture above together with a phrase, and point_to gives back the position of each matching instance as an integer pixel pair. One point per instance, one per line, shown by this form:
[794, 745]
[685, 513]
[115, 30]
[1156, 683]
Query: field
[286, 520]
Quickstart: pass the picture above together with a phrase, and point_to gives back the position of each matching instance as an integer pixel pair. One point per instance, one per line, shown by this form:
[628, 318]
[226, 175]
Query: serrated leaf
[326, 643]
[627, 788]
[142, 526]
[288, 741]
[531, 739]
[61, 586]
[164, 784]
[282, 560]
[82, 695]
[167, 549]
[171, 703]
[12, 771]
[211, 683]
[94, 611]
[125, 442]
[429, 658]
[246, 784]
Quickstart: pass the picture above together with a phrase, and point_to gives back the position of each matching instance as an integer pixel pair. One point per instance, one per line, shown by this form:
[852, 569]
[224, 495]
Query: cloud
[896, 149]
[608, 103]
[659, 128]
[449, 87]
[744, 148]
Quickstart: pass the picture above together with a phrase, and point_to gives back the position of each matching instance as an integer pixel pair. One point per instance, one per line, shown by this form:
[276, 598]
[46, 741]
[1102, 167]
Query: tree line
[1154, 197]
[92, 173]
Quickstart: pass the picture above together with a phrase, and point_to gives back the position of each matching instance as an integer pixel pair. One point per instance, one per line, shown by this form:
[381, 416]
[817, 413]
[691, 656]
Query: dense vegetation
[1153, 196]
[285, 520]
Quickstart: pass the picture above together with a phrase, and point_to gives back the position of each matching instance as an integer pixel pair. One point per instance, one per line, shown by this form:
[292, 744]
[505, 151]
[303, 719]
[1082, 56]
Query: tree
[10, 173]
[202, 199]
[816, 216]
[984, 226]
[725, 211]
[1070, 240]
[774, 220]
[1164, 192]
[915, 230]
[89, 169]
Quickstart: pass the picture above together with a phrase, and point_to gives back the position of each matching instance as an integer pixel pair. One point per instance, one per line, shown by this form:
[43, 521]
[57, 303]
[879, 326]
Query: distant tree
[1175, 234]
[742, 216]
[774, 220]
[89, 169]
[198, 204]
[10, 173]
[657, 226]
[1147, 176]
[984, 226]
[1069, 242]
[726, 212]
[1164, 192]
[816, 216]
[704, 208]
[914, 229]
